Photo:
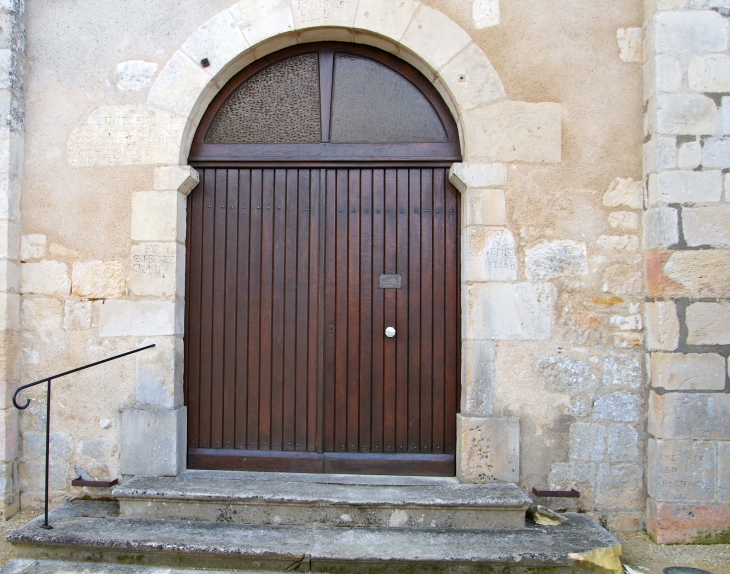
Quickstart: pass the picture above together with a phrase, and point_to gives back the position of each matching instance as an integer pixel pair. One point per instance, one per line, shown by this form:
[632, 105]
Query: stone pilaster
[687, 235]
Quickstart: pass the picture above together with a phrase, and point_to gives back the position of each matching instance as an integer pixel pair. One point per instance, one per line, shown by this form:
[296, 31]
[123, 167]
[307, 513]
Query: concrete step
[327, 500]
[93, 532]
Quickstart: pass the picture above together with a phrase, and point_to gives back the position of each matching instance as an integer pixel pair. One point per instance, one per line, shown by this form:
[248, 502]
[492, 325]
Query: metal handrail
[48, 408]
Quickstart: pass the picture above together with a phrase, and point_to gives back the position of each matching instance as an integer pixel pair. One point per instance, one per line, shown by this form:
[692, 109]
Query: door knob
[390, 332]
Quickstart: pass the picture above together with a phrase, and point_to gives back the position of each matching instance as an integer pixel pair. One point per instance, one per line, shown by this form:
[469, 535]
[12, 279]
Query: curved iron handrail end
[27, 402]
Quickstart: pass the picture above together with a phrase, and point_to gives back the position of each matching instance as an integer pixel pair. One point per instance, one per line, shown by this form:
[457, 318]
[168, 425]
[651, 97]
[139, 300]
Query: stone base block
[669, 523]
[487, 449]
[154, 442]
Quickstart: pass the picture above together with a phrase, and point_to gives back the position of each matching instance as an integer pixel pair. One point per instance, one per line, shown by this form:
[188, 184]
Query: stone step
[93, 532]
[25, 566]
[329, 500]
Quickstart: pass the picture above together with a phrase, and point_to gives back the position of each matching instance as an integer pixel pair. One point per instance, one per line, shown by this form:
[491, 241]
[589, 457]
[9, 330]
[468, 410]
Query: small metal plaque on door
[390, 281]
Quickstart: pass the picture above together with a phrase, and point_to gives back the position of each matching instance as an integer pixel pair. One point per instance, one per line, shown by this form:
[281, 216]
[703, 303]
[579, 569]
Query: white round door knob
[390, 332]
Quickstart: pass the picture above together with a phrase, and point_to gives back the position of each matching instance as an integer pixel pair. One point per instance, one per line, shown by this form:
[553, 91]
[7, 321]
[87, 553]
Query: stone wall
[687, 235]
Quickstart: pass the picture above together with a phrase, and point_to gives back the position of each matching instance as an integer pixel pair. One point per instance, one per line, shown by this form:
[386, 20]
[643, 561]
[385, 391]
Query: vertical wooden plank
[277, 209]
[242, 312]
[229, 311]
[317, 301]
[378, 298]
[186, 332]
[301, 399]
[255, 300]
[267, 303]
[206, 321]
[414, 310]
[402, 332]
[366, 309]
[353, 310]
[289, 311]
[341, 316]
[389, 314]
[439, 313]
[452, 312]
[330, 336]
[426, 329]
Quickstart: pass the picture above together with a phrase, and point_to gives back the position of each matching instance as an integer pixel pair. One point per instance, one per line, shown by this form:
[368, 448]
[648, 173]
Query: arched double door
[322, 296]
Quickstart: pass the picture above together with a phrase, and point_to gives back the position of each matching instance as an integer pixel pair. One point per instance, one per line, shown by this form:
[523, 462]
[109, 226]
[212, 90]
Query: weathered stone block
[661, 227]
[689, 155]
[623, 370]
[9, 192]
[622, 279]
[679, 372]
[619, 485]
[9, 239]
[487, 449]
[45, 278]
[8, 434]
[567, 375]
[424, 37]
[310, 14]
[138, 318]
[478, 387]
[623, 443]
[472, 79]
[77, 315]
[98, 279]
[690, 32]
[716, 153]
[627, 323]
[686, 114]
[179, 85]
[707, 324]
[552, 259]
[696, 273]
[479, 175]
[489, 254]
[95, 448]
[40, 313]
[578, 475]
[723, 472]
[627, 340]
[662, 325]
[660, 152]
[618, 407]
[159, 373]
[671, 523]
[262, 19]
[626, 192]
[665, 72]
[157, 269]
[619, 242]
[219, 40]
[158, 216]
[154, 442]
[681, 470]
[707, 225]
[710, 73]
[630, 44]
[9, 311]
[181, 178]
[587, 441]
[135, 75]
[623, 220]
[386, 19]
[32, 247]
[699, 416]
[484, 207]
[520, 311]
[9, 275]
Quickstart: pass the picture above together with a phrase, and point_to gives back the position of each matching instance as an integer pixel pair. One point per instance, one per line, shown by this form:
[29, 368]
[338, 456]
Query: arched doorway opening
[322, 284]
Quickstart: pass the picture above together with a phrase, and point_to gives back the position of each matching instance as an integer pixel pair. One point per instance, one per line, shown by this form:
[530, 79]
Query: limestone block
[158, 216]
[725, 113]
[660, 152]
[472, 174]
[689, 155]
[723, 472]
[471, 79]
[680, 372]
[619, 242]
[77, 315]
[32, 247]
[386, 19]
[45, 278]
[138, 319]
[662, 325]
[707, 324]
[9, 239]
[434, 37]
[98, 279]
[8, 434]
[630, 44]
[552, 259]
[686, 187]
[160, 373]
[623, 443]
[727, 186]
[182, 178]
[716, 153]
[681, 470]
[179, 85]
[587, 441]
[9, 275]
[707, 226]
[696, 273]
[485, 13]
[487, 449]
[623, 220]
[619, 485]
[9, 311]
[309, 14]
[60, 252]
[219, 40]
[514, 131]
[262, 19]
[661, 227]
[11, 151]
[40, 313]
[627, 340]
[578, 475]
[662, 74]
[157, 269]
[520, 311]
[686, 114]
[567, 375]
[484, 207]
[9, 195]
[618, 407]
[478, 387]
[126, 135]
[624, 191]
[11, 69]
[675, 523]
[490, 254]
[623, 370]
[690, 32]
[154, 442]
[626, 323]
[135, 75]
[710, 73]
[699, 416]
[622, 279]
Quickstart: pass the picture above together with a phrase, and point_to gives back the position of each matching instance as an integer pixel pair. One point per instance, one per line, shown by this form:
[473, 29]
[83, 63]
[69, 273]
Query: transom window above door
[330, 101]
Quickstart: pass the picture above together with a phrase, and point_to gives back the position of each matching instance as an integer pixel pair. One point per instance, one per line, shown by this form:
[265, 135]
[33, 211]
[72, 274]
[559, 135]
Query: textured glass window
[279, 104]
[374, 104]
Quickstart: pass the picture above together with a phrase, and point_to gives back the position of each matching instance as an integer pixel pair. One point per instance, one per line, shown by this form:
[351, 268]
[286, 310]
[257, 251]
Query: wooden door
[288, 365]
